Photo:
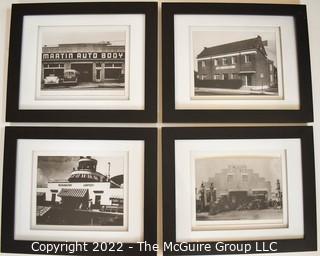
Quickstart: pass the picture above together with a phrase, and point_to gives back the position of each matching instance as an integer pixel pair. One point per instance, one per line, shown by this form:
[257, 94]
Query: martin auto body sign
[82, 56]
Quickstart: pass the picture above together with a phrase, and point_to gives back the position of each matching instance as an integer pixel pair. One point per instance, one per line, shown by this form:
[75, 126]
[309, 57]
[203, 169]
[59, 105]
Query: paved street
[84, 86]
[243, 215]
[242, 91]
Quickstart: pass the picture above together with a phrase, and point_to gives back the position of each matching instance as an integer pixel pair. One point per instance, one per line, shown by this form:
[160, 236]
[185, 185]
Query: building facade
[85, 189]
[237, 184]
[100, 62]
[245, 60]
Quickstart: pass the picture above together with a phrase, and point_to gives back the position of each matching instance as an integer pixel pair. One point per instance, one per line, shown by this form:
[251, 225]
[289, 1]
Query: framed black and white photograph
[86, 69]
[64, 198]
[83, 62]
[243, 62]
[236, 63]
[79, 185]
[239, 186]
[240, 191]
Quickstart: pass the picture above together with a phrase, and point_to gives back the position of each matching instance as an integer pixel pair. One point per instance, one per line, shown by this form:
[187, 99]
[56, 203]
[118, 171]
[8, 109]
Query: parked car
[51, 79]
[71, 76]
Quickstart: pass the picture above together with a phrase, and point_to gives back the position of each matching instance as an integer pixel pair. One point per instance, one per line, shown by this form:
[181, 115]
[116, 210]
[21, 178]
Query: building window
[229, 178]
[271, 78]
[113, 71]
[247, 58]
[233, 76]
[216, 77]
[203, 63]
[224, 61]
[245, 178]
[233, 60]
[270, 67]
[54, 65]
[215, 62]
[53, 68]
[117, 65]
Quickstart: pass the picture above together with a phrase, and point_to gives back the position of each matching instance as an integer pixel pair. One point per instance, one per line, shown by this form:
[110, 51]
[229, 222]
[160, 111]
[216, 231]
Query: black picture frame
[12, 134]
[304, 133]
[171, 114]
[148, 114]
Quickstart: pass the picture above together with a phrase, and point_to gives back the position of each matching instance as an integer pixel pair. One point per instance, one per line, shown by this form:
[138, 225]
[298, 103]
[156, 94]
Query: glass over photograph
[84, 60]
[240, 192]
[80, 191]
[236, 62]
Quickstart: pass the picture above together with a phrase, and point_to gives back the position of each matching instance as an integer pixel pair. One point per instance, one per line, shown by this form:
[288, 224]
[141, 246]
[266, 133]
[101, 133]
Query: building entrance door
[246, 80]
[53, 198]
[98, 75]
[85, 70]
[238, 197]
[97, 201]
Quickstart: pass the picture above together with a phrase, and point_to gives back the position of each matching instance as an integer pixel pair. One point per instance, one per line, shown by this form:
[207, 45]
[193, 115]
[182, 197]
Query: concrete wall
[254, 182]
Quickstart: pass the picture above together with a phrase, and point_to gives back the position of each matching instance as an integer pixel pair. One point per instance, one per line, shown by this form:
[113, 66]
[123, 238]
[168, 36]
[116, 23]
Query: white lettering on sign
[65, 184]
[83, 55]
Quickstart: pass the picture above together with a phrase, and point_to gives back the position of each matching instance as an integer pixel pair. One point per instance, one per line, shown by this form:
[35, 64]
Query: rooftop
[248, 44]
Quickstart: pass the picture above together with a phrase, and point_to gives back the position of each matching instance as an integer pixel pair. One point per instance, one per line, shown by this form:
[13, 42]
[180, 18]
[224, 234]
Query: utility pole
[109, 167]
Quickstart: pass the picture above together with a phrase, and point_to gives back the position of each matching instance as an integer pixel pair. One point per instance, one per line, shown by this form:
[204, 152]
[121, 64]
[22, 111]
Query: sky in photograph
[208, 39]
[267, 167]
[52, 36]
[52, 168]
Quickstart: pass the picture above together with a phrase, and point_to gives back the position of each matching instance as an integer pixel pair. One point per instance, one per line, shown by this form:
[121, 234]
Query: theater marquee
[83, 56]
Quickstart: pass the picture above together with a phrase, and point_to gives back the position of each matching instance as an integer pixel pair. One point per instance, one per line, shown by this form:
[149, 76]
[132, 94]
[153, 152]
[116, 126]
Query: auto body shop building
[98, 62]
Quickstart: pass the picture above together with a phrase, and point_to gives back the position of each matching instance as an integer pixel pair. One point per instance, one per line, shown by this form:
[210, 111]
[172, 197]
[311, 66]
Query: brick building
[245, 61]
